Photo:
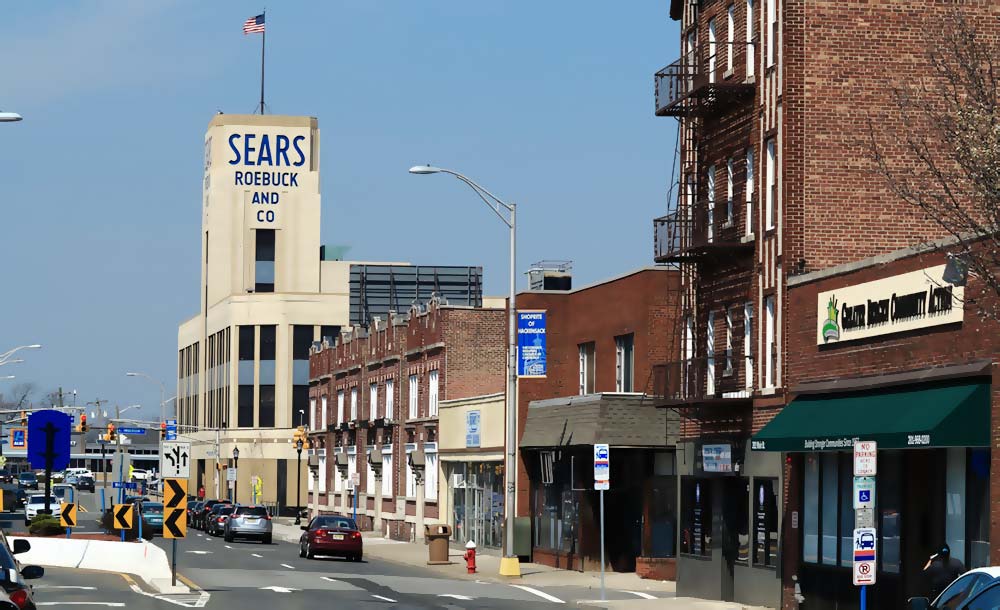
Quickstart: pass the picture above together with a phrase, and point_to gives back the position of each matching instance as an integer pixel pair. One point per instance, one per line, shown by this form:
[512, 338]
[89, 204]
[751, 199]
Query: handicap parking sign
[864, 492]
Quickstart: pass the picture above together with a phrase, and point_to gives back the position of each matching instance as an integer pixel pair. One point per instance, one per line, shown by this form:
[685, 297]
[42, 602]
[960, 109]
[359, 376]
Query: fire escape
[704, 236]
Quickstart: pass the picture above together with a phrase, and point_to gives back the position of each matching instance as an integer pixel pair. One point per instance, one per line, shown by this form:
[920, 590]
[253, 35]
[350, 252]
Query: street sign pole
[602, 543]
[602, 482]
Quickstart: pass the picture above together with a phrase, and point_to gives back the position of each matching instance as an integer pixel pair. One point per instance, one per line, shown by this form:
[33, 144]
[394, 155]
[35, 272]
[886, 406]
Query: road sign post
[67, 517]
[122, 517]
[602, 482]
[174, 518]
[865, 534]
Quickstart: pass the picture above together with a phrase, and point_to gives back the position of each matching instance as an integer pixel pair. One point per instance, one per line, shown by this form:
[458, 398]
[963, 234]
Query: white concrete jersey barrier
[140, 559]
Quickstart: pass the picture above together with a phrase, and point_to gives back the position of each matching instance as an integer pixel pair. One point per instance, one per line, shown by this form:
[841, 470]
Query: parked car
[249, 522]
[986, 598]
[27, 480]
[6, 476]
[64, 492]
[329, 535]
[85, 482]
[152, 519]
[78, 471]
[138, 474]
[36, 504]
[216, 520]
[70, 479]
[14, 575]
[201, 521]
[192, 509]
[960, 592]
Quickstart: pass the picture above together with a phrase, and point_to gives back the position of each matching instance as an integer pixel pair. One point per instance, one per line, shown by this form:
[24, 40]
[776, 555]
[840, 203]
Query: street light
[5, 357]
[7, 377]
[10, 117]
[509, 565]
[236, 467]
[163, 391]
[12, 361]
[298, 491]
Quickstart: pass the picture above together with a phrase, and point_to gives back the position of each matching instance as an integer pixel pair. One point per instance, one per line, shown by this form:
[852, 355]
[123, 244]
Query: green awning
[906, 417]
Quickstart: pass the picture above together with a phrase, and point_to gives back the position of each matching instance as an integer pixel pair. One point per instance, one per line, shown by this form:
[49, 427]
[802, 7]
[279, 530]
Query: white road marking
[285, 565]
[329, 579]
[256, 555]
[195, 599]
[456, 596]
[541, 594]
[385, 599]
[641, 594]
[278, 589]
[199, 552]
[228, 547]
[106, 604]
[64, 587]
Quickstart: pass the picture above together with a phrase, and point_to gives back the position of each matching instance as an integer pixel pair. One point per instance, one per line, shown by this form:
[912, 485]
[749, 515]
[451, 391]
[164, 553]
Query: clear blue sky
[549, 104]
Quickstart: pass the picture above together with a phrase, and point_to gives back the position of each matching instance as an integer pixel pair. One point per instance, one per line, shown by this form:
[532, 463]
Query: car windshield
[252, 511]
[40, 500]
[152, 507]
[338, 522]
[28, 476]
[224, 509]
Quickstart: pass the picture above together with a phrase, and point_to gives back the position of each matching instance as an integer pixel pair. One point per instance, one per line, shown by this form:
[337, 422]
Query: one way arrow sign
[175, 459]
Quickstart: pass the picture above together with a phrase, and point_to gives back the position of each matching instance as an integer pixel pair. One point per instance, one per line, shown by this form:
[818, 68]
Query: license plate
[337, 536]
[252, 520]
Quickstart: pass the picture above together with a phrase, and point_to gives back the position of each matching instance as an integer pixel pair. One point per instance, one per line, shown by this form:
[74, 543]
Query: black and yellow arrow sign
[175, 493]
[122, 514]
[175, 523]
[67, 514]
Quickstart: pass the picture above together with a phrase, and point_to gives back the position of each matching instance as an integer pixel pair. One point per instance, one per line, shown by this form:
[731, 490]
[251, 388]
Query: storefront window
[557, 512]
[663, 516]
[696, 522]
[829, 510]
[890, 473]
[477, 502]
[977, 492]
[765, 547]
[846, 510]
[810, 510]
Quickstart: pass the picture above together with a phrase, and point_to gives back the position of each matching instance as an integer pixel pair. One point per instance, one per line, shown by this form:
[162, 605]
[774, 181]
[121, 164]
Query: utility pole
[104, 463]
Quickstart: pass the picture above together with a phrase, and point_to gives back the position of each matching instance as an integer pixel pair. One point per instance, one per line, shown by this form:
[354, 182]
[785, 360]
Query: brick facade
[464, 348]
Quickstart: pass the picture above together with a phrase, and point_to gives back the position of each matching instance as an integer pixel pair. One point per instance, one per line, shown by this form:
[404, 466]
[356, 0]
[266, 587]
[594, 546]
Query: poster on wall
[717, 458]
[531, 343]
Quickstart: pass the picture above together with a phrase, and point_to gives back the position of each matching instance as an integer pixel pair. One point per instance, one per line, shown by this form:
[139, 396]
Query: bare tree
[19, 396]
[946, 162]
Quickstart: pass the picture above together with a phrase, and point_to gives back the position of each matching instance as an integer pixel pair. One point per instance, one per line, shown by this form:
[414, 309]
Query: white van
[77, 471]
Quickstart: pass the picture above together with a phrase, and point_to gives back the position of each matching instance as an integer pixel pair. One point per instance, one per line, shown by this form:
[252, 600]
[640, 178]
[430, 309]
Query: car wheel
[309, 553]
[267, 539]
[302, 550]
[357, 558]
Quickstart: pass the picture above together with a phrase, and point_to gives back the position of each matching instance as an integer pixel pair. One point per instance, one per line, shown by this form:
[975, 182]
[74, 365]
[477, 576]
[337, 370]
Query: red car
[329, 535]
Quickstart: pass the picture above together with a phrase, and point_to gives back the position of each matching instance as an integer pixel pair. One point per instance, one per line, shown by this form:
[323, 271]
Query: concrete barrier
[140, 559]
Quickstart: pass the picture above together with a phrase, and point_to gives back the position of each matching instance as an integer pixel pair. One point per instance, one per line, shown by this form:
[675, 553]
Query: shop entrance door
[733, 534]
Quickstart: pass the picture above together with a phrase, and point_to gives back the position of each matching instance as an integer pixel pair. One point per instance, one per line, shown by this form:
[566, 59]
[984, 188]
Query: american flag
[254, 25]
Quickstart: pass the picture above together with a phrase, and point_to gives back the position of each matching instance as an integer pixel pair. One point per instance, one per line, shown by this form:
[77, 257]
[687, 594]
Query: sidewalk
[488, 564]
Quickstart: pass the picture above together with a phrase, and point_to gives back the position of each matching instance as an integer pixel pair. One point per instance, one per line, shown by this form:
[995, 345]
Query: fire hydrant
[470, 557]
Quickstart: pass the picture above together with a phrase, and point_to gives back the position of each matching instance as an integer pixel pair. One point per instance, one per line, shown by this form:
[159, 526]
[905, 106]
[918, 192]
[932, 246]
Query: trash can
[437, 537]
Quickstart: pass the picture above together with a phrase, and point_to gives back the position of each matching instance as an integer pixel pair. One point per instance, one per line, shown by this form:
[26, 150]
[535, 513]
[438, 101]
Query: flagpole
[263, 37]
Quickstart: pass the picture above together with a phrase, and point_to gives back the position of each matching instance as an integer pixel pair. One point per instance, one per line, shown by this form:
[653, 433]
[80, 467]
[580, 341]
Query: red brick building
[602, 342]
[774, 100]
[374, 400]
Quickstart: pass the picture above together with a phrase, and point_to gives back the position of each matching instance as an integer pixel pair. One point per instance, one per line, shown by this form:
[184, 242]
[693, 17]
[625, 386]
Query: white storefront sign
[909, 301]
[865, 458]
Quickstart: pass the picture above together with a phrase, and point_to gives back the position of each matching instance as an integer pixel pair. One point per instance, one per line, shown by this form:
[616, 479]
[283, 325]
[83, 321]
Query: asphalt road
[249, 575]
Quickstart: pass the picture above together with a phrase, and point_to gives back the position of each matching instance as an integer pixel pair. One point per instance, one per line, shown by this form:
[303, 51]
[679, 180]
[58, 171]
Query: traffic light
[82, 428]
[301, 435]
[111, 433]
[163, 431]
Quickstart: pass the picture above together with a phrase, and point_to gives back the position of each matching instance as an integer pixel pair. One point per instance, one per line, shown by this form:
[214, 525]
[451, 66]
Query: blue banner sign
[48, 439]
[531, 343]
[171, 429]
[132, 430]
[124, 485]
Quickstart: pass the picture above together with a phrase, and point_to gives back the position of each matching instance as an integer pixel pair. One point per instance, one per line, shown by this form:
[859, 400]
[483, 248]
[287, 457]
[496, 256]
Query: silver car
[249, 522]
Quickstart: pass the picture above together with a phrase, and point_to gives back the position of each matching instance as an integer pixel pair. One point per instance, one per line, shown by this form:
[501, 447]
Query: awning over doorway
[621, 420]
[905, 417]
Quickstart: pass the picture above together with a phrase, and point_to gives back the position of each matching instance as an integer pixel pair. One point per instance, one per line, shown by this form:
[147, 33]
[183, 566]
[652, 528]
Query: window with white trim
[769, 346]
[587, 364]
[412, 396]
[710, 354]
[311, 482]
[730, 314]
[771, 195]
[387, 471]
[373, 401]
[751, 46]
[312, 413]
[730, 36]
[322, 473]
[369, 472]
[712, 50]
[354, 403]
[352, 464]
[432, 401]
[323, 421]
[772, 30]
[338, 481]
[748, 344]
[431, 472]
[748, 188]
[389, 397]
[624, 361]
[710, 192]
[730, 169]
[340, 406]
[411, 481]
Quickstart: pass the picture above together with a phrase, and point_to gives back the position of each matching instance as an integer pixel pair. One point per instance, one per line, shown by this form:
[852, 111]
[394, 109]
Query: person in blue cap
[941, 569]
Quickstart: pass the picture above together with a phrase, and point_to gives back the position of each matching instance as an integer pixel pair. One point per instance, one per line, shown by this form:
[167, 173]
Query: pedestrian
[941, 569]
[201, 492]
